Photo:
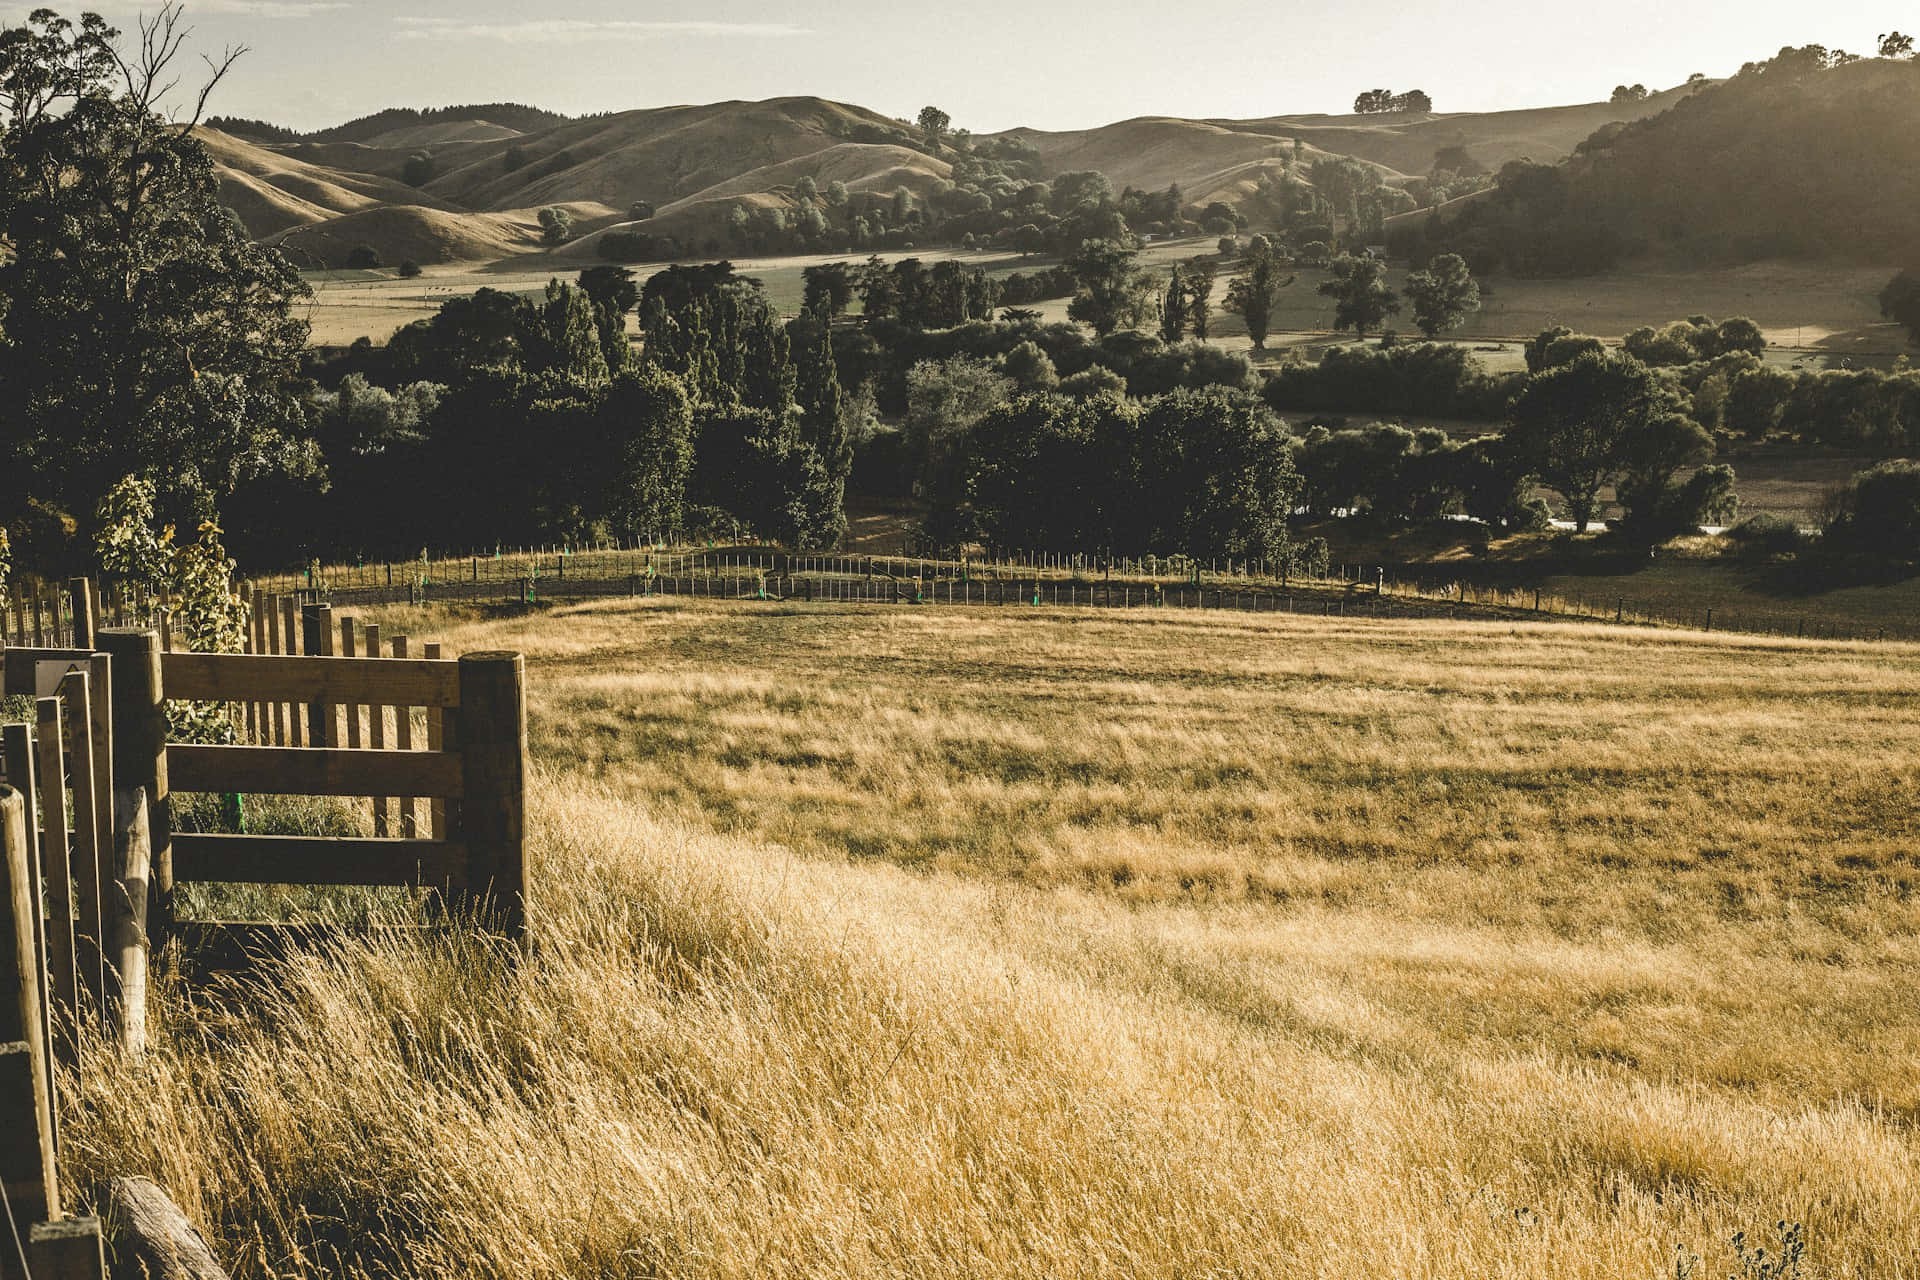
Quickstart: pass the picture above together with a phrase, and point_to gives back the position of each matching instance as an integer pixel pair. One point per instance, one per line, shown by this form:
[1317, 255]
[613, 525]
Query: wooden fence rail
[444, 741]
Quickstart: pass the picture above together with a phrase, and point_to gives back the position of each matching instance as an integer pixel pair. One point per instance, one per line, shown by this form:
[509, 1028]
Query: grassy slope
[1230, 947]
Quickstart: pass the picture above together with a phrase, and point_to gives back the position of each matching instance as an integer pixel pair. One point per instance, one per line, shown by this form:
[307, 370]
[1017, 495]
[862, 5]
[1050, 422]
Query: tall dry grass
[1438, 951]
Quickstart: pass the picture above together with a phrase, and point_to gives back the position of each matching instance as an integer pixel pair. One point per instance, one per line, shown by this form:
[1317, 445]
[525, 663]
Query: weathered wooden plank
[493, 753]
[56, 861]
[311, 771]
[318, 860]
[236, 677]
[92, 860]
[68, 1249]
[22, 667]
[27, 1174]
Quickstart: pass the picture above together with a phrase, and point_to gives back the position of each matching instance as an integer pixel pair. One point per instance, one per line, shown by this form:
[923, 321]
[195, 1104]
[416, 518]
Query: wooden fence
[90, 860]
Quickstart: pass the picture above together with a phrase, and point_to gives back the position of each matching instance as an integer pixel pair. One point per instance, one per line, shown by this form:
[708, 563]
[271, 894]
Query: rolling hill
[1832, 154]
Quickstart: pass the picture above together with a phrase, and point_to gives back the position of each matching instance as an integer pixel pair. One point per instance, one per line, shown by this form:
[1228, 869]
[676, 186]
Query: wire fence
[746, 572]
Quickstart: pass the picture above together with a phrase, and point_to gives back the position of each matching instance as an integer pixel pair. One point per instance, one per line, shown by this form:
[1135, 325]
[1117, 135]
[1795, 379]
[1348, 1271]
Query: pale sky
[992, 64]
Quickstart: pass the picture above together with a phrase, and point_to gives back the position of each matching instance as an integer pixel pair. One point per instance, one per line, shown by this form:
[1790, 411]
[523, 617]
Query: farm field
[1812, 312]
[897, 942]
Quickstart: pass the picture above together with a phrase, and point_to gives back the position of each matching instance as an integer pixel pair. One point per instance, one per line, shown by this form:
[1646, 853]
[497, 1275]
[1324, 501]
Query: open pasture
[892, 942]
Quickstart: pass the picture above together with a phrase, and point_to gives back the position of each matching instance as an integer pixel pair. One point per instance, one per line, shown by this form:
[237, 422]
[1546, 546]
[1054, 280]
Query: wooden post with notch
[140, 760]
[492, 720]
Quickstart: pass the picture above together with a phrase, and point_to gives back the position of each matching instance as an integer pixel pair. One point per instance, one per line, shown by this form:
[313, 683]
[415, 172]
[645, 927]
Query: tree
[145, 331]
[1359, 290]
[556, 225]
[1113, 290]
[1255, 292]
[1373, 102]
[409, 269]
[1030, 367]
[1173, 308]
[829, 288]
[945, 399]
[649, 424]
[1900, 303]
[640, 211]
[1569, 422]
[1625, 93]
[572, 335]
[1444, 294]
[836, 195]
[933, 127]
[419, 169]
[614, 292]
[1200, 276]
[1412, 100]
[1652, 449]
[1897, 46]
[364, 257]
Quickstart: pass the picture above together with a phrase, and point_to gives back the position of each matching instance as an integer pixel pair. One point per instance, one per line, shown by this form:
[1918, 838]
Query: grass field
[1814, 314]
[880, 943]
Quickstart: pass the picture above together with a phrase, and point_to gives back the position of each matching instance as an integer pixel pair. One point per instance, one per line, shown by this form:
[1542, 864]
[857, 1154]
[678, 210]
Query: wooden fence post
[86, 612]
[140, 759]
[492, 721]
[26, 1137]
[315, 632]
[125, 910]
[92, 860]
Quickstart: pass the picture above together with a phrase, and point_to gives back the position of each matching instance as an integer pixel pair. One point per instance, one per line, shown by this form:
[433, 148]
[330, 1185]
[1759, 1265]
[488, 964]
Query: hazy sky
[992, 64]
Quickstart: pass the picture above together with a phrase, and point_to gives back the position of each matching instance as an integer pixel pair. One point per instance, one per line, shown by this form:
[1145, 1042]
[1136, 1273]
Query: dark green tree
[768, 380]
[648, 422]
[145, 331]
[1360, 294]
[1900, 303]
[1200, 276]
[1113, 290]
[1569, 423]
[556, 226]
[573, 347]
[1173, 308]
[933, 127]
[829, 288]
[614, 292]
[1256, 292]
[1444, 294]
[1653, 449]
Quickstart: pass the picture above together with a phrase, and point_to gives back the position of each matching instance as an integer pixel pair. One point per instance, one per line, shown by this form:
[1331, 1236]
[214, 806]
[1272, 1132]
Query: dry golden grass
[892, 942]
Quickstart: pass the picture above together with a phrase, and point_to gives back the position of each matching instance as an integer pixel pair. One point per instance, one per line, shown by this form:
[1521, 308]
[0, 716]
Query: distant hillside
[1210, 159]
[1780, 162]
[1772, 162]
[1789, 159]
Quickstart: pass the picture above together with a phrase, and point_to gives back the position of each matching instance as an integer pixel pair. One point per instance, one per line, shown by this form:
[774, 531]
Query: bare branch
[218, 72]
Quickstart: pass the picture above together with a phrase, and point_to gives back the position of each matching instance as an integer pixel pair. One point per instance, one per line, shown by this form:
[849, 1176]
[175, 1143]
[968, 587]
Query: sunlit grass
[910, 942]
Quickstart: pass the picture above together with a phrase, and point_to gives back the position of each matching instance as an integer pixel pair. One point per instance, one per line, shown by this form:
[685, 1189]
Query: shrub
[409, 269]
[1766, 534]
[1878, 513]
[364, 258]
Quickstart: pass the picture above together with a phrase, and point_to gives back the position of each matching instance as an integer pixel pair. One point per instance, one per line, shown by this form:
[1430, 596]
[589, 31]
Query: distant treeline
[509, 115]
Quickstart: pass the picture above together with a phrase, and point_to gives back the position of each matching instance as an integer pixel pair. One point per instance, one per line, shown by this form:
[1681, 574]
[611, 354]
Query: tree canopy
[145, 331]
